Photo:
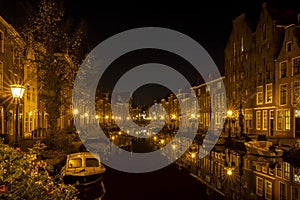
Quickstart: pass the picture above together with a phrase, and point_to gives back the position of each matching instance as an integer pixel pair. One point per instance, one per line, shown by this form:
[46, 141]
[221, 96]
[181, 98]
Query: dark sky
[209, 24]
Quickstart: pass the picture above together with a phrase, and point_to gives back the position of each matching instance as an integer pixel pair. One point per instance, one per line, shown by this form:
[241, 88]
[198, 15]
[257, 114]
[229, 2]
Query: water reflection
[92, 192]
[236, 174]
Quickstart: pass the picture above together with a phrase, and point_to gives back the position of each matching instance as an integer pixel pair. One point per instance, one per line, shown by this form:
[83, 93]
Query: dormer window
[264, 31]
[288, 46]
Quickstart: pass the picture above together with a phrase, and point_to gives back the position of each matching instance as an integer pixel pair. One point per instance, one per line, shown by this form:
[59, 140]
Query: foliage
[53, 44]
[23, 176]
[61, 142]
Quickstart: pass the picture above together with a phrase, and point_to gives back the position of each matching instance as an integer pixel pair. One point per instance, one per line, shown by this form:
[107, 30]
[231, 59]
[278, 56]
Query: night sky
[209, 24]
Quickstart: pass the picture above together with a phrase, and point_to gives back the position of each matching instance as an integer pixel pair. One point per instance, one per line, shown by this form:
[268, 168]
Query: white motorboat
[83, 168]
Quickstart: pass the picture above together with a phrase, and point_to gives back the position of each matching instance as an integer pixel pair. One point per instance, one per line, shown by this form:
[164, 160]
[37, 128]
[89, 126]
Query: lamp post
[17, 93]
[229, 115]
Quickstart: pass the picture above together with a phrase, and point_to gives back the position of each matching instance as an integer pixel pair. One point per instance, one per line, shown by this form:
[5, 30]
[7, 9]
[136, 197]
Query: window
[283, 191]
[296, 91]
[234, 50]
[279, 171]
[1, 42]
[259, 186]
[283, 120]
[269, 93]
[268, 190]
[77, 162]
[92, 162]
[248, 118]
[282, 70]
[1, 75]
[288, 46]
[242, 44]
[258, 120]
[286, 170]
[264, 30]
[283, 94]
[296, 66]
[265, 120]
[259, 95]
[295, 193]
[287, 117]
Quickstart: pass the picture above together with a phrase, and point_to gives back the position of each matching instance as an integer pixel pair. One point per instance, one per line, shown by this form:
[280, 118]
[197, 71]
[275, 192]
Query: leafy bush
[60, 142]
[23, 176]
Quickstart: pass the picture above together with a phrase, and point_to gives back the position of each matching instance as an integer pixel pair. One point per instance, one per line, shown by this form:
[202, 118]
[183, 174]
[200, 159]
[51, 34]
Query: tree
[23, 176]
[55, 44]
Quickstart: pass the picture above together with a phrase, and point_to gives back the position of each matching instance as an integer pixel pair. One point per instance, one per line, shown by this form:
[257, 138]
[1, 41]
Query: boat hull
[83, 180]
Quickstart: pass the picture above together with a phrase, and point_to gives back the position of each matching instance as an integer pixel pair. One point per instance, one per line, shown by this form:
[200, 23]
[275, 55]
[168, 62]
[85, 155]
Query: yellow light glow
[193, 115]
[75, 111]
[97, 117]
[17, 91]
[229, 113]
[173, 116]
[174, 146]
[113, 137]
[162, 141]
[106, 116]
[155, 138]
[229, 172]
[193, 155]
[120, 133]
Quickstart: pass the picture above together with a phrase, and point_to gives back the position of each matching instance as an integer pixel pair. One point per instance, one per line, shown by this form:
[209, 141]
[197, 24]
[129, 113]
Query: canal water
[167, 183]
[224, 173]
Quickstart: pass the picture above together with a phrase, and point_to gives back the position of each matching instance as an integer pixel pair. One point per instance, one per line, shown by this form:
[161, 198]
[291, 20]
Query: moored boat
[83, 168]
[263, 148]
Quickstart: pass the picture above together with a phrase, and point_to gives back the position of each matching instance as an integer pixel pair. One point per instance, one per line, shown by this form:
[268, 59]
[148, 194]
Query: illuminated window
[283, 94]
[287, 117]
[296, 92]
[283, 120]
[269, 93]
[259, 95]
[259, 186]
[242, 44]
[265, 120]
[283, 70]
[296, 66]
[258, 120]
[286, 170]
[268, 189]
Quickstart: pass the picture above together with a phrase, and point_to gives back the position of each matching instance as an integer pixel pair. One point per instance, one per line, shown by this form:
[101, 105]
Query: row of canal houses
[262, 81]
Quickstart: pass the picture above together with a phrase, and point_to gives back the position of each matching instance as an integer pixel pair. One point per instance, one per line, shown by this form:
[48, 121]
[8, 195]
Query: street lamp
[17, 93]
[229, 116]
